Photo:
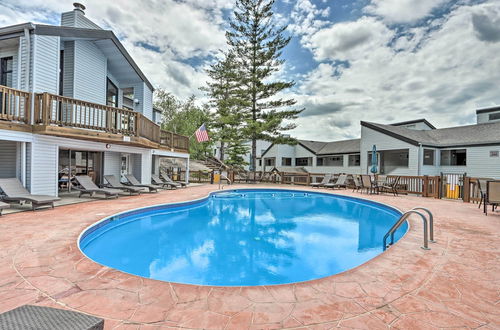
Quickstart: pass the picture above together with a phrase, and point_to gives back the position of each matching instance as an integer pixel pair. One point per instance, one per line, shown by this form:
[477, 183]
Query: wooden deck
[70, 118]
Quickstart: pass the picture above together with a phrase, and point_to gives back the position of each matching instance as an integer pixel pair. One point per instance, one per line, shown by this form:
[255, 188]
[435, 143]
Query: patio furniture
[357, 183]
[3, 206]
[156, 180]
[87, 186]
[29, 317]
[326, 179]
[167, 179]
[482, 190]
[15, 192]
[340, 183]
[135, 183]
[391, 187]
[368, 184]
[492, 196]
[115, 183]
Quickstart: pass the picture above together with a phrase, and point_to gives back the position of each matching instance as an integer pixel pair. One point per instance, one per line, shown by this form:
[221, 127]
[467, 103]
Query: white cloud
[307, 18]
[403, 11]
[443, 75]
[345, 41]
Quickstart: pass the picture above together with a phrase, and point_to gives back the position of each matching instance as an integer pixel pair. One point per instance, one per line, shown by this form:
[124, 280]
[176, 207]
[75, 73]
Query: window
[331, 161]
[494, 153]
[286, 161]
[355, 160]
[6, 69]
[111, 94]
[456, 157]
[303, 161]
[428, 157]
[319, 161]
[494, 116]
[260, 162]
[269, 162]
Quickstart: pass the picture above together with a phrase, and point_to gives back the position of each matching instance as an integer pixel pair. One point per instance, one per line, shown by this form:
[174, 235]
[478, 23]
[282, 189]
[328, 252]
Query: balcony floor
[455, 284]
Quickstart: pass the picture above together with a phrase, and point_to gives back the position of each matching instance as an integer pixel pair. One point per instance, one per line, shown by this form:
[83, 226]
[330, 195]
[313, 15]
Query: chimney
[79, 7]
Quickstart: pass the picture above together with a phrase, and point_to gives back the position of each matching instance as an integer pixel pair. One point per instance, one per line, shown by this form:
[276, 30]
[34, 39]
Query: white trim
[165, 153]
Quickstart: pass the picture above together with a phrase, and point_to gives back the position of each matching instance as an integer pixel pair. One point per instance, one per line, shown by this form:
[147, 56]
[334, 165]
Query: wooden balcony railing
[14, 105]
[63, 111]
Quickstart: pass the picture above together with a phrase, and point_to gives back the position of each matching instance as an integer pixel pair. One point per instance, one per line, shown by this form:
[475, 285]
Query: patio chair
[15, 192]
[326, 179]
[368, 184]
[135, 183]
[167, 179]
[3, 206]
[391, 187]
[155, 179]
[492, 196]
[115, 183]
[357, 183]
[340, 183]
[482, 190]
[87, 186]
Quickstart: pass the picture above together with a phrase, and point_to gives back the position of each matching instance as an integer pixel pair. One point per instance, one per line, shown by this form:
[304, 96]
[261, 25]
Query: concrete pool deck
[456, 284]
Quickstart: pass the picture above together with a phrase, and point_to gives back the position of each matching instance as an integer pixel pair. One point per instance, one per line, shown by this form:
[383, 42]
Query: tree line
[244, 90]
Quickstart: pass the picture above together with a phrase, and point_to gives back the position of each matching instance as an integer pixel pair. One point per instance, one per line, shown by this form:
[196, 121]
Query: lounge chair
[390, 187]
[156, 180]
[3, 206]
[115, 183]
[15, 192]
[492, 196]
[357, 183]
[368, 184]
[167, 179]
[482, 190]
[87, 186]
[340, 183]
[326, 179]
[135, 183]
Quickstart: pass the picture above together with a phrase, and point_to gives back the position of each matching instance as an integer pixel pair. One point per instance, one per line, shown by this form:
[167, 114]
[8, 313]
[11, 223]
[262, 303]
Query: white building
[261, 147]
[73, 101]
[408, 148]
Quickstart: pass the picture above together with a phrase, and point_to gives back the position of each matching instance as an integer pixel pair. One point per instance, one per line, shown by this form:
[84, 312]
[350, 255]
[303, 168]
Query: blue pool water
[243, 238]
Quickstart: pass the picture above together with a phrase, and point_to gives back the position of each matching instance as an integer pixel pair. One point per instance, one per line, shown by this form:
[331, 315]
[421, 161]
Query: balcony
[66, 117]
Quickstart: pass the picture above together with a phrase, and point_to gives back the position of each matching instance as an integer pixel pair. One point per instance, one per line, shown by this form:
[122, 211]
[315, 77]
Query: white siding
[76, 18]
[479, 163]
[25, 63]
[44, 158]
[147, 107]
[46, 68]
[382, 141]
[90, 70]
[8, 159]
[69, 68]
[485, 117]
[112, 163]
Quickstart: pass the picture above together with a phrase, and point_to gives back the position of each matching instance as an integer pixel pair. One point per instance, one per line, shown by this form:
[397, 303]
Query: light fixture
[108, 146]
[136, 101]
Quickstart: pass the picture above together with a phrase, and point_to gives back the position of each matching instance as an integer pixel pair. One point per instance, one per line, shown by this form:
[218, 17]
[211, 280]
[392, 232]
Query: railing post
[425, 187]
[27, 109]
[45, 108]
[466, 192]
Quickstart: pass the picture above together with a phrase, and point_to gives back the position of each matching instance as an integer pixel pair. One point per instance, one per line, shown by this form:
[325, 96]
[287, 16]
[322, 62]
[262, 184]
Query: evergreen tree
[226, 125]
[184, 118]
[258, 44]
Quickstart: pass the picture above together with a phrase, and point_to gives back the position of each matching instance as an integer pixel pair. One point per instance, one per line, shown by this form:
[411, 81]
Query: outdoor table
[29, 317]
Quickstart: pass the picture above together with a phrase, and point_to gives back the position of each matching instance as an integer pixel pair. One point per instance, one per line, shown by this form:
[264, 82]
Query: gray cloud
[486, 29]
[327, 108]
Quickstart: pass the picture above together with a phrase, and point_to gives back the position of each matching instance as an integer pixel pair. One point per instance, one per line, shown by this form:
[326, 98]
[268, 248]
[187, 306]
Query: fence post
[466, 192]
[425, 188]
[308, 179]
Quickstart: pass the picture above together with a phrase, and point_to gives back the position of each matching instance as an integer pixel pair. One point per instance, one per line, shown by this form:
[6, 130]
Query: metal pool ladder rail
[428, 223]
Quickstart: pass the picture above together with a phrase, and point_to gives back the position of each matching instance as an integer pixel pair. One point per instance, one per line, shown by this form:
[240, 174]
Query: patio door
[77, 162]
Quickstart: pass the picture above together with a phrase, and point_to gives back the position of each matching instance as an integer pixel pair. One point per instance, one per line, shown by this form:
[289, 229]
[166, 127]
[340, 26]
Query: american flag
[201, 134]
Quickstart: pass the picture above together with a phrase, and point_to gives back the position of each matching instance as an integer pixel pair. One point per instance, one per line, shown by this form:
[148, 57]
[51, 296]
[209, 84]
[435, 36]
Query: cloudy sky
[374, 60]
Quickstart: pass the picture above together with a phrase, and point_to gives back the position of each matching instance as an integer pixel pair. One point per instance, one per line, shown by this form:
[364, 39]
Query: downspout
[24, 150]
[420, 160]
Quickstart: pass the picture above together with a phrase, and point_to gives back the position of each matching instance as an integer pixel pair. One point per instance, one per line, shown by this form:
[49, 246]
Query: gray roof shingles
[335, 147]
[478, 134]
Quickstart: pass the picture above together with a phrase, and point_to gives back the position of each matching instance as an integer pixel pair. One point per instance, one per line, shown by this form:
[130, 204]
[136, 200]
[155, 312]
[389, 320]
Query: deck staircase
[216, 165]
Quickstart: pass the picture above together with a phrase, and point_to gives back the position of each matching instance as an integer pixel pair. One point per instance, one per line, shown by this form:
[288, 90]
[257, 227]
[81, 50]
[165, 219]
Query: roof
[79, 33]
[330, 148]
[422, 120]
[470, 135]
[486, 110]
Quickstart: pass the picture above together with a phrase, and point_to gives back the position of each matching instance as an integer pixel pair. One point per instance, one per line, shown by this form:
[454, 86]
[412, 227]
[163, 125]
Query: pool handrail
[400, 221]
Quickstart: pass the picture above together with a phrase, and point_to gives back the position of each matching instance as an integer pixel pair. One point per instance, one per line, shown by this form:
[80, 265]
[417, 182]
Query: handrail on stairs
[427, 222]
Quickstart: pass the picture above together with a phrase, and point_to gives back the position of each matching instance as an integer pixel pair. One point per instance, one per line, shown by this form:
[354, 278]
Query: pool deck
[456, 284]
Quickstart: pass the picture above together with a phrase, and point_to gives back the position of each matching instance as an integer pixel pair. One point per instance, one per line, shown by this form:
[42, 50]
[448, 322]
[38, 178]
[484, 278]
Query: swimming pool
[243, 237]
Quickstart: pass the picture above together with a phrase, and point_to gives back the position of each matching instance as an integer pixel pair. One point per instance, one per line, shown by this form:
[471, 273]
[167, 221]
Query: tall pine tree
[224, 91]
[258, 44]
